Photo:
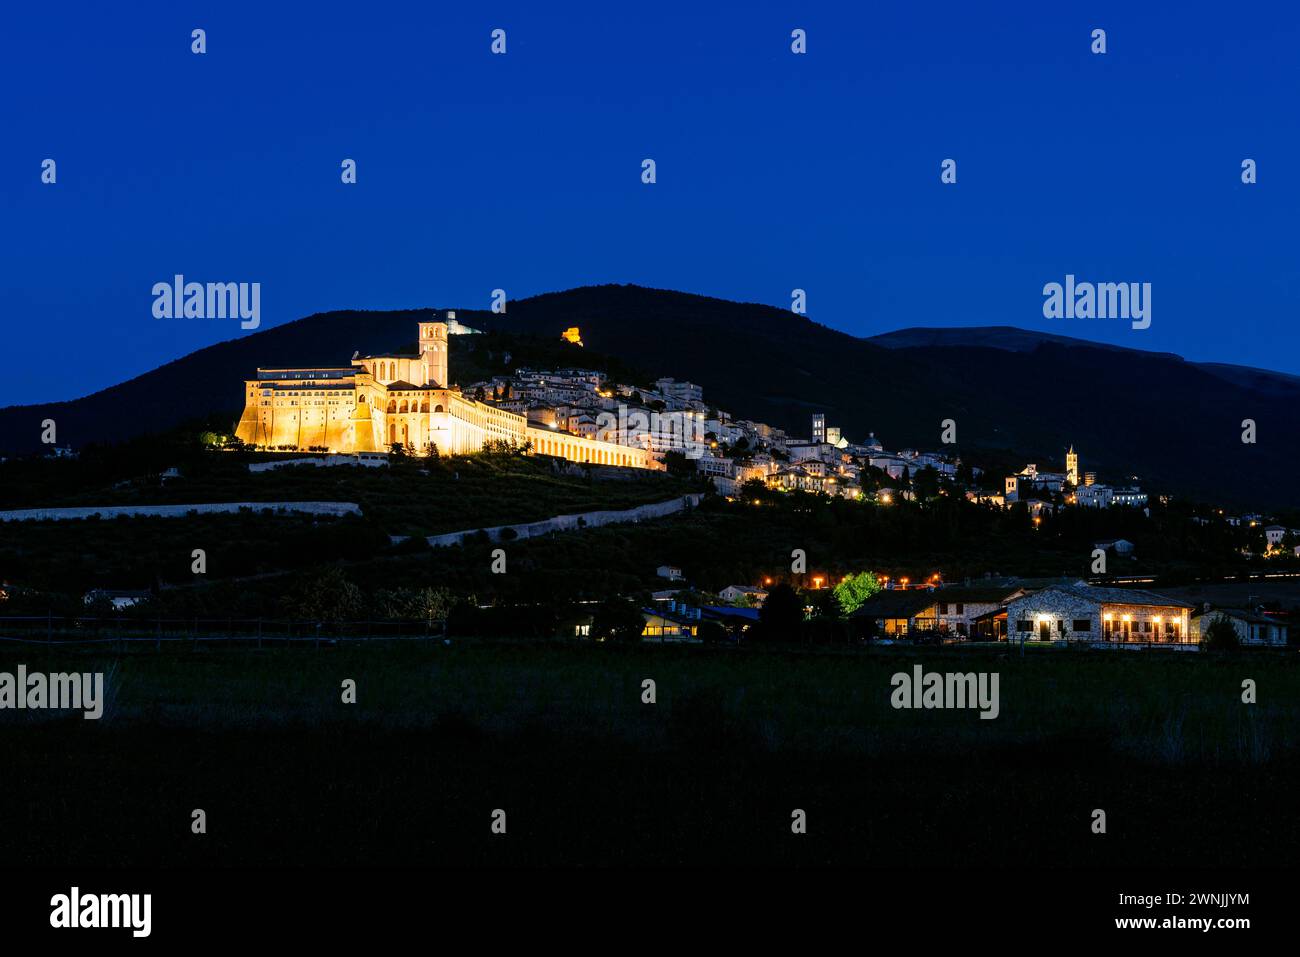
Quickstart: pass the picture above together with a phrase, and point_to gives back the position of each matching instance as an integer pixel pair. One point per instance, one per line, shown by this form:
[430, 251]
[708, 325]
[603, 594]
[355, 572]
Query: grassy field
[557, 735]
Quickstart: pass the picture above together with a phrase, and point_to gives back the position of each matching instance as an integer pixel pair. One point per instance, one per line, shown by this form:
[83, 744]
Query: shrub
[617, 619]
[711, 631]
[1220, 635]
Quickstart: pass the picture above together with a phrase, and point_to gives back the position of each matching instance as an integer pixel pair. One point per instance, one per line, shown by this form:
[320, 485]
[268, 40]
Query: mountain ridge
[1129, 412]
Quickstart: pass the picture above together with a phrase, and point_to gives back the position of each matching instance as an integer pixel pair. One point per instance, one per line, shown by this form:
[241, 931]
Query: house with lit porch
[1089, 613]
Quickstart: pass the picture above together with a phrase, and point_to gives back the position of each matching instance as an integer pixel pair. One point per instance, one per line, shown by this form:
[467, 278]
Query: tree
[617, 619]
[678, 464]
[414, 604]
[926, 483]
[854, 590]
[782, 614]
[710, 632]
[325, 595]
[1220, 635]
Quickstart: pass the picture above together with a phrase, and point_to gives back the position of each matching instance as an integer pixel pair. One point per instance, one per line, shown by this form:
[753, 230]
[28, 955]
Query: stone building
[400, 398]
[1083, 612]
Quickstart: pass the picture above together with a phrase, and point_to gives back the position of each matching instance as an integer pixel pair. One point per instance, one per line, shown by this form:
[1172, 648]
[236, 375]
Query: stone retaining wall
[176, 511]
[565, 523]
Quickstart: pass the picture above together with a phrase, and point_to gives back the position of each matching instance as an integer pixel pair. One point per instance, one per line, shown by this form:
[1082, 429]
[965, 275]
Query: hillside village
[587, 417]
[673, 418]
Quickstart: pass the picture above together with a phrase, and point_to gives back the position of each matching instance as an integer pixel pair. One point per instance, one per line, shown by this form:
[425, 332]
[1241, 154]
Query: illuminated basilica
[393, 398]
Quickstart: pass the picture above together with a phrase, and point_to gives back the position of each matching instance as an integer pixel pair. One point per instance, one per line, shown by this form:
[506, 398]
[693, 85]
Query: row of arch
[396, 407]
[577, 452]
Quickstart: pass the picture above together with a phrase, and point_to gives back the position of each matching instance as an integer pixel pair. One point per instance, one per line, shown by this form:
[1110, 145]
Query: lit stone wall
[1058, 606]
[353, 410]
[575, 448]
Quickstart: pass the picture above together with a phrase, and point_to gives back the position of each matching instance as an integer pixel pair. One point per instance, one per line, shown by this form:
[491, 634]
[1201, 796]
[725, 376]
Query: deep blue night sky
[522, 171]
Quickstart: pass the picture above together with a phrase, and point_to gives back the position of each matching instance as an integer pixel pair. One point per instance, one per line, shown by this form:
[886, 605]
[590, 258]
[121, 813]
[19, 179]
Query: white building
[734, 593]
[1251, 628]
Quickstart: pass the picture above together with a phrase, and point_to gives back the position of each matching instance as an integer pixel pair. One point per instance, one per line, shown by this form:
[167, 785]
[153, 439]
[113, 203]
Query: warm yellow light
[1108, 617]
[1156, 619]
[817, 582]
[1043, 618]
[1128, 617]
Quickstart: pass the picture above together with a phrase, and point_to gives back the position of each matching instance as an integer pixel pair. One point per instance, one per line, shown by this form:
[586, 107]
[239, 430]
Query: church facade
[381, 400]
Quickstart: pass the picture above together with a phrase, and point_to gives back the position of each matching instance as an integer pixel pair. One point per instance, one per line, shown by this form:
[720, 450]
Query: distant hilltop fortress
[398, 398]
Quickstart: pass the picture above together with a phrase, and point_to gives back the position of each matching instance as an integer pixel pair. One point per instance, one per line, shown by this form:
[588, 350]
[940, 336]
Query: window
[1024, 626]
[961, 608]
[1082, 624]
[943, 608]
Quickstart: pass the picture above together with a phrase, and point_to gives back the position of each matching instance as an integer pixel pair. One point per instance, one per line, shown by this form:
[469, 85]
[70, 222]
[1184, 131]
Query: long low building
[1083, 612]
[1032, 610]
[948, 612]
[399, 398]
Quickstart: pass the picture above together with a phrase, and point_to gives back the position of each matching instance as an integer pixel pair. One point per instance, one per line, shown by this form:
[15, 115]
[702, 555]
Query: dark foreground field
[557, 736]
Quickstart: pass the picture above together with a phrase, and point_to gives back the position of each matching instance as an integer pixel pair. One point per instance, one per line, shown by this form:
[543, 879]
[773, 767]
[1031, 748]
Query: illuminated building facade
[399, 398]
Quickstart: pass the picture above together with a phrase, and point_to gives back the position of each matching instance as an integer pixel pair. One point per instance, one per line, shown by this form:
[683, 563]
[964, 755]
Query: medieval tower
[433, 353]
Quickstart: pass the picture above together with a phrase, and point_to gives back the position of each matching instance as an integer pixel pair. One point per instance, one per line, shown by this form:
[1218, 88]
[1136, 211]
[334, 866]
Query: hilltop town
[671, 421]
[658, 450]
